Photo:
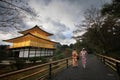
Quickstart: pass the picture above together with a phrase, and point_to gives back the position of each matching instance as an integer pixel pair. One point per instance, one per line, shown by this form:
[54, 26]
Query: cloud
[60, 16]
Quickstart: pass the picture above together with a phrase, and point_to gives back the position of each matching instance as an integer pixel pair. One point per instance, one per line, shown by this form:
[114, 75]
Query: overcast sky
[59, 17]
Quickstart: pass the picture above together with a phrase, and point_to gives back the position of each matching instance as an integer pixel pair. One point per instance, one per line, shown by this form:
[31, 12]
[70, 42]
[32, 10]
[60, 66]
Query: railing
[34, 44]
[111, 62]
[38, 72]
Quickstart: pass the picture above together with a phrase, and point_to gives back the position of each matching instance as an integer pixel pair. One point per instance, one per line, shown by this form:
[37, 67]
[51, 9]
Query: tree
[112, 9]
[67, 52]
[4, 53]
[112, 13]
[92, 24]
[12, 13]
[102, 30]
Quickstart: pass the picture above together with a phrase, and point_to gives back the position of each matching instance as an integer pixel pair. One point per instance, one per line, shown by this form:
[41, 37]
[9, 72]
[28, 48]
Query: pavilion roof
[35, 28]
[28, 34]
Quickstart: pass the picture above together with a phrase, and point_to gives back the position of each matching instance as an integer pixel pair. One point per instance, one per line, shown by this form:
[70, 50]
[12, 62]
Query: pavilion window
[21, 54]
[26, 53]
[43, 52]
[32, 53]
[35, 42]
[40, 51]
[37, 53]
[49, 52]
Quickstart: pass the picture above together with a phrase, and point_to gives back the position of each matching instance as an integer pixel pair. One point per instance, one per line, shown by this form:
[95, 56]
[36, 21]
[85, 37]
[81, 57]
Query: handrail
[111, 62]
[110, 58]
[46, 68]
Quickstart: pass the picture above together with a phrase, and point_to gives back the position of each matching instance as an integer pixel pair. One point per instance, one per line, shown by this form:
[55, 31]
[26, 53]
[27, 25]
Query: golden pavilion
[35, 42]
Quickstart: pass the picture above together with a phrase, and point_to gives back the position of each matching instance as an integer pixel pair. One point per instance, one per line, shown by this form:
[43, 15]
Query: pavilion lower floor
[28, 52]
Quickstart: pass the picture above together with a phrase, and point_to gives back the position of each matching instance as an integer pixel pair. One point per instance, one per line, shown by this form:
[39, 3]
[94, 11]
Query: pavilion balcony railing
[37, 44]
[111, 62]
[39, 72]
[33, 44]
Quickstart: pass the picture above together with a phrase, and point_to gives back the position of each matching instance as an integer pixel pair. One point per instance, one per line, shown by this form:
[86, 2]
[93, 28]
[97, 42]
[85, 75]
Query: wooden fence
[111, 62]
[39, 72]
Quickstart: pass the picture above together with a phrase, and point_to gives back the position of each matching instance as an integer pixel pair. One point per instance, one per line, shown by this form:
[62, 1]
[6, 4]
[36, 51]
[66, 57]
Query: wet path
[95, 70]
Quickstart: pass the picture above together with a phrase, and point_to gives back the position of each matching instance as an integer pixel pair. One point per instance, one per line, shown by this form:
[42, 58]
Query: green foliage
[2, 55]
[3, 52]
[43, 59]
[62, 52]
[71, 46]
[79, 45]
[107, 38]
[102, 31]
[112, 25]
[67, 52]
[19, 63]
[34, 59]
[112, 8]
[60, 56]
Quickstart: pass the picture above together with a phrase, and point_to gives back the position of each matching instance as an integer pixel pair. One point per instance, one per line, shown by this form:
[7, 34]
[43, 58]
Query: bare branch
[12, 13]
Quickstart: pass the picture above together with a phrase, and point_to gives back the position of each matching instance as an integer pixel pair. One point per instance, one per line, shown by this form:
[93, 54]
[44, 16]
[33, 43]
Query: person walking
[74, 58]
[83, 54]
